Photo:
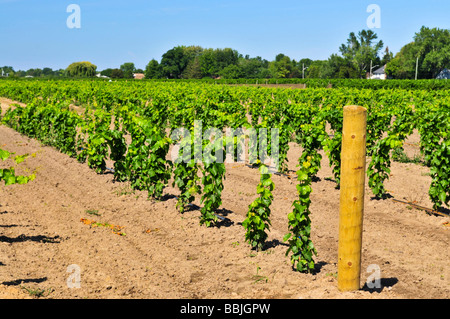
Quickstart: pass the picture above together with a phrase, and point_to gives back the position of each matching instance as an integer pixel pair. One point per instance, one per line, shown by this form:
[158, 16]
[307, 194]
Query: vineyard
[170, 142]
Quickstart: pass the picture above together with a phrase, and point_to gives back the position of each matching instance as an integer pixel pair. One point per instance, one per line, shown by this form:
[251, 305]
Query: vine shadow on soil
[223, 220]
[444, 210]
[18, 282]
[384, 283]
[383, 197]
[221, 213]
[330, 179]
[317, 267]
[274, 243]
[23, 238]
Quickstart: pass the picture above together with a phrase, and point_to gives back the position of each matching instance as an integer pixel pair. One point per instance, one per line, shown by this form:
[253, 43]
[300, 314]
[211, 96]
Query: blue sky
[35, 34]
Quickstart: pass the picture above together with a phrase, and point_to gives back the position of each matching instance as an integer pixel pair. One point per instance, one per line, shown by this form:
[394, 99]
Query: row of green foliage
[149, 111]
[309, 83]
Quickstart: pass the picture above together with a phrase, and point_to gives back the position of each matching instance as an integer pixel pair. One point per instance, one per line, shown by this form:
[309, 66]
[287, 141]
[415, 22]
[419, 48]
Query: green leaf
[10, 180]
[442, 197]
[302, 176]
[291, 216]
[287, 236]
[4, 155]
[19, 159]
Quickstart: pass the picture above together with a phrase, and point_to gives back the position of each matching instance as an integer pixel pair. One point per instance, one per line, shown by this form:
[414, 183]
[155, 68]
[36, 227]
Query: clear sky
[34, 33]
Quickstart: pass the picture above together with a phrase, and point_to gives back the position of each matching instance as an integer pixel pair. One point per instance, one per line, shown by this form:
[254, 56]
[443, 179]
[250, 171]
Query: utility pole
[417, 66]
[371, 68]
[303, 70]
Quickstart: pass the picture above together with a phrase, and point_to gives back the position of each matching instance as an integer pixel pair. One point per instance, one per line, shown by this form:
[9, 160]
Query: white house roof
[445, 74]
[379, 71]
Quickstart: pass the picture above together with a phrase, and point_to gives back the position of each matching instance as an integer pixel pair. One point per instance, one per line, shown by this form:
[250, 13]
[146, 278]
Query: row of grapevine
[147, 113]
[219, 107]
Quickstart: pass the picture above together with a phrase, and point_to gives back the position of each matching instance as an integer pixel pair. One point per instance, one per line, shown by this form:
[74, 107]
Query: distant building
[138, 76]
[444, 75]
[99, 75]
[379, 74]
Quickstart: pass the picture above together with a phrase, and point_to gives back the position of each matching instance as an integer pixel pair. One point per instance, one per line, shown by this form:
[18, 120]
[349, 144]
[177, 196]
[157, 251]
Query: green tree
[226, 57]
[208, 63]
[117, 74]
[253, 67]
[231, 71]
[388, 56]
[433, 51]
[173, 63]
[106, 72]
[317, 70]
[303, 63]
[128, 69]
[281, 67]
[59, 72]
[193, 69]
[7, 70]
[430, 51]
[212, 61]
[47, 72]
[361, 49]
[34, 72]
[20, 73]
[192, 52]
[153, 70]
[81, 69]
[264, 73]
[341, 68]
[403, 66]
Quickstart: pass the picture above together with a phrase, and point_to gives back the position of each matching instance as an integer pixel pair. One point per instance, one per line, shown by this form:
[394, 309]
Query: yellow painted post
[351, 205]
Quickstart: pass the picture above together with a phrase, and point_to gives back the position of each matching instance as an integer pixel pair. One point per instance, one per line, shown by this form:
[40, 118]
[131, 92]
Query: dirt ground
[165, 254]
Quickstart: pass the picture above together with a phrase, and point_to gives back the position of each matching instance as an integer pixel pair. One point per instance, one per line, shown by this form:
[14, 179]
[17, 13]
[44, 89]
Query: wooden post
[351, 206]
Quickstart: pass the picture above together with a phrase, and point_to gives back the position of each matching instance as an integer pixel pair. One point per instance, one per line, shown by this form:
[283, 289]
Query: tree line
[76, 69]
[427, 55]
[429, 52]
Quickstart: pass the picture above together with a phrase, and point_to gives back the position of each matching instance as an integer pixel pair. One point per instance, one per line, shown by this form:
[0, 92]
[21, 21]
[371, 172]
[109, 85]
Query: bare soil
[165, 254]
